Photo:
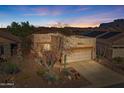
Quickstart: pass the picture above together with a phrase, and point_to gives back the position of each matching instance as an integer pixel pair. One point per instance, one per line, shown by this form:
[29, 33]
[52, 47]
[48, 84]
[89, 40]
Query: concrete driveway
[97, 74]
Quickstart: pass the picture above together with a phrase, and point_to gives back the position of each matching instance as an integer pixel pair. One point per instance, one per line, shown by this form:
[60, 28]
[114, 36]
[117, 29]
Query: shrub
[65, 72]
[41, 72]
[118, 60]
[51, 77]
[9, 68]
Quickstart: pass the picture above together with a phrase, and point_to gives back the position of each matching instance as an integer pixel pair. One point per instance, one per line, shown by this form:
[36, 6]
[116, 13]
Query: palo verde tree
[49, 58]
[64, 43]
[64, 49]
[57, 54]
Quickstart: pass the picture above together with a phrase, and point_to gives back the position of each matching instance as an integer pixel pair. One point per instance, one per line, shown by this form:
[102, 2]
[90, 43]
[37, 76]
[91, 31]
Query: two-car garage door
[80, 55]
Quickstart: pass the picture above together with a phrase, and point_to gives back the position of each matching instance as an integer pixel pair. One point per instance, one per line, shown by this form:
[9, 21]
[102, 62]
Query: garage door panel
[79, 56]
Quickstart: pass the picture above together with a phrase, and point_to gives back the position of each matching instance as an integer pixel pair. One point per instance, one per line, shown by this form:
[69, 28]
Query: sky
[75, 16]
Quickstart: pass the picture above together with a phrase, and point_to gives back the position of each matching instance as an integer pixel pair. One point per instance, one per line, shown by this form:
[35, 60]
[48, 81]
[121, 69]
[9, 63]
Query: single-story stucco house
[109, 44]
[85, 45]
[8, 43]
[82, 47]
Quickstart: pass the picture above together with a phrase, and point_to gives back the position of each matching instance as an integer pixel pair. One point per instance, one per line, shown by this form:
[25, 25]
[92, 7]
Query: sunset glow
[77, 16]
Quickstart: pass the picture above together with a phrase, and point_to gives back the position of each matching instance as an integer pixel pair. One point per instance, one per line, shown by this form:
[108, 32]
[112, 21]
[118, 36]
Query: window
[1, 50]
[46, 47]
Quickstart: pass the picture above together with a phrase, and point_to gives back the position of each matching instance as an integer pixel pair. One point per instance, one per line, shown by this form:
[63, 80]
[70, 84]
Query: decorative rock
[12, 78]
[69, 77]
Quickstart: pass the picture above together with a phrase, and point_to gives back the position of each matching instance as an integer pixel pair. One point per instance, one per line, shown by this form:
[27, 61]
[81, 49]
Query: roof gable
[7, 35]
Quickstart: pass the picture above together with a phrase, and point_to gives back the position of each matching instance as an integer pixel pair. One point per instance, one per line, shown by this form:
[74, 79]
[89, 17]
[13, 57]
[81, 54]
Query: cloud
[94, 19]
[55, 10]
[36, 14]
[55, 13]
[40, 11]
[80, 9]
[91, 20]
[70, 14]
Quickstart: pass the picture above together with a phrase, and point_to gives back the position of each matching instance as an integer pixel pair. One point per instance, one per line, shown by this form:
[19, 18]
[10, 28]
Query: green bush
[50, 77]
[65, 72]
[40, 72]
[9, 68]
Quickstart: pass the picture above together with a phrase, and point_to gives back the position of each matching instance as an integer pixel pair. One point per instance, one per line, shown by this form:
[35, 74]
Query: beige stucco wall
[38, 40]
[77, 41]
[85, 48]
[72, 41]
[41, 38]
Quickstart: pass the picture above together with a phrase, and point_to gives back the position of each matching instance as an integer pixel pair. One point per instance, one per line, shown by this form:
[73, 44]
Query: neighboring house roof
[99, 34]
[46, 30]
[111, 37]
[65, 31]
[7, 35]
[84, 32]
[91, 33]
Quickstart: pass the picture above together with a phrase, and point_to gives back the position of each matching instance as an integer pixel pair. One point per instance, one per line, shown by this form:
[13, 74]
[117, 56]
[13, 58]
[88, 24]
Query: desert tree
[63, 43]
[49, 58]
[22, 30]
[64, 49]
[57, 54]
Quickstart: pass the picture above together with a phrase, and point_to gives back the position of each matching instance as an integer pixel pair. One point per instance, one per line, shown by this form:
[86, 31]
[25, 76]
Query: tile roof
[6, 34]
